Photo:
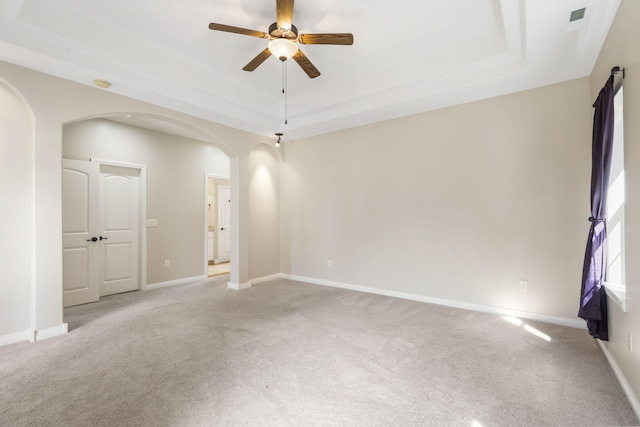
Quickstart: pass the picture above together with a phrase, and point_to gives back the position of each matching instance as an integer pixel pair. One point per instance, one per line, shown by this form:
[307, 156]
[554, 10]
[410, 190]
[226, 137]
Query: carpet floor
[286, 353]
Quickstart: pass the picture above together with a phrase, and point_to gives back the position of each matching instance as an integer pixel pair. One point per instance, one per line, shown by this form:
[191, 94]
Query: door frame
[206, 215]
[142, 214]
[220, 215]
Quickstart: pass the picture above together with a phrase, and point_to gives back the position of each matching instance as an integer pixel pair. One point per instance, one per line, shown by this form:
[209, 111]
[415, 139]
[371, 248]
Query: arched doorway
[171, 241]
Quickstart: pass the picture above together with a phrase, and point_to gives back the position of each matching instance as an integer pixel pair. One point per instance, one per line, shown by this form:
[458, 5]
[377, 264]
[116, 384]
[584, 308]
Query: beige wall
[16, 182]
[457, 204]
[176, 168]
[621, 48]
[264, 218]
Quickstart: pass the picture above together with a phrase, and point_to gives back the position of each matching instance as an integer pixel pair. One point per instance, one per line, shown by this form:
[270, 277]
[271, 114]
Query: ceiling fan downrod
[284, 89]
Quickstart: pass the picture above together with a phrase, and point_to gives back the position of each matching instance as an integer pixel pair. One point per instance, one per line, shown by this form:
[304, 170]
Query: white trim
[239, 221]
[626, 388]
[14, 338]
[617, 294]
[265, 279]
[238, 287]
[250, 283]
[563, 321]
[174, 282]
[51, 332]
[206, 224]
[118, 163]
[33, 276]
[33, 335]
[219, 214]
[142, 213]
[142, 268]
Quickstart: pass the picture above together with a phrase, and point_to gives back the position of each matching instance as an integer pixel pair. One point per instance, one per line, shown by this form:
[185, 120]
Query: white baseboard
[14, 338]
[628, 391]
[563, 321]
[51, 332]
[33, 336]
[173, 282]
[238, 286]
[265, 279]
[250, 283]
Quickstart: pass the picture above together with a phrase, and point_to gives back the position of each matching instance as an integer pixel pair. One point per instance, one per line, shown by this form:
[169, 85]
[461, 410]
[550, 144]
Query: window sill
[616, 292]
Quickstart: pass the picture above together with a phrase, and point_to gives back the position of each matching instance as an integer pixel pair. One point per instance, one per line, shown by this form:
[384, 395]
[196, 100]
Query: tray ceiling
[408, 56]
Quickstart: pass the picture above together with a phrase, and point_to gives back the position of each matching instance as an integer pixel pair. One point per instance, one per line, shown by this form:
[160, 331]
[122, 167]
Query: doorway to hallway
[218, 225]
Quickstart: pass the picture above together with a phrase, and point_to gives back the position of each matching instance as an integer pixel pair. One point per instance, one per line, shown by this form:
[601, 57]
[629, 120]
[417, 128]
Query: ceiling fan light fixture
[282, 48]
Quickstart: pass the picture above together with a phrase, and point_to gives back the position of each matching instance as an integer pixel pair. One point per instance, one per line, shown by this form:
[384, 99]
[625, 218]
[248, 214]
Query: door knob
[104, 238]
[221, 228]
[93, 239]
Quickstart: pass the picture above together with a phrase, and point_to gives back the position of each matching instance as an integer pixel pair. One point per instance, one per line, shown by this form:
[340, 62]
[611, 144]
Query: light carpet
[285, 353]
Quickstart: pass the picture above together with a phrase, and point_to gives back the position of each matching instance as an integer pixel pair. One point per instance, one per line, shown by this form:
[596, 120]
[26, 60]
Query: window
[615, 281]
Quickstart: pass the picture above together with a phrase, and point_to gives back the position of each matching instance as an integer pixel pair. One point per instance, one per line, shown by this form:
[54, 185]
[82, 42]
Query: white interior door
[224, 223]
[100, 226]
[119, 235]
[80, 213]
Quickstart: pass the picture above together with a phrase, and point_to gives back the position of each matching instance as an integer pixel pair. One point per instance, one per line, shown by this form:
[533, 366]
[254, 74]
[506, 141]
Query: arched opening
[172, 227]
[41, 221]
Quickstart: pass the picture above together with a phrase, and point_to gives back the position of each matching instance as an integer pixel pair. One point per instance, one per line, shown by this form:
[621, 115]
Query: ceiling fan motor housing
[276, 32]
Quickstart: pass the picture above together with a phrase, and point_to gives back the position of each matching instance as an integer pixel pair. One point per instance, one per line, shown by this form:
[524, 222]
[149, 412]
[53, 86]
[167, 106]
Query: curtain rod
[615, 70]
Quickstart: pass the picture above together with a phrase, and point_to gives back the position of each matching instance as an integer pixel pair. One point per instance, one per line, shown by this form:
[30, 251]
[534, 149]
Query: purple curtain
[593, 298]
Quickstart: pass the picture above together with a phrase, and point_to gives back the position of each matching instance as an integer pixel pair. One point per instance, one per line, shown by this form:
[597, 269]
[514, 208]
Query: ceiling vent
[577, 14]
[576, 20]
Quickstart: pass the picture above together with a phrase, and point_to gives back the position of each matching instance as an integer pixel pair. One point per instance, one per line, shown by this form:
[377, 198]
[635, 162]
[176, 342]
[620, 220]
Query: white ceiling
[408, 56]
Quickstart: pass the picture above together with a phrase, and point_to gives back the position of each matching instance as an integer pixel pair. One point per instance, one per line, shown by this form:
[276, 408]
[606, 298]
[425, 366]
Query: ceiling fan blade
[238, 30]
[333, 38]
[284, 13]
[253, 64]
[306, 65]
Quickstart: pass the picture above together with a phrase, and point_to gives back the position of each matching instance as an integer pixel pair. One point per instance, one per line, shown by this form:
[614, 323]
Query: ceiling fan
[285, 38]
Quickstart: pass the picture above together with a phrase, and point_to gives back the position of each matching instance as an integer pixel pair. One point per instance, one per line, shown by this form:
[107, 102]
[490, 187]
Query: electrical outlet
[524, 285]
[630, 342]
[329, 263]
[167, 263]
